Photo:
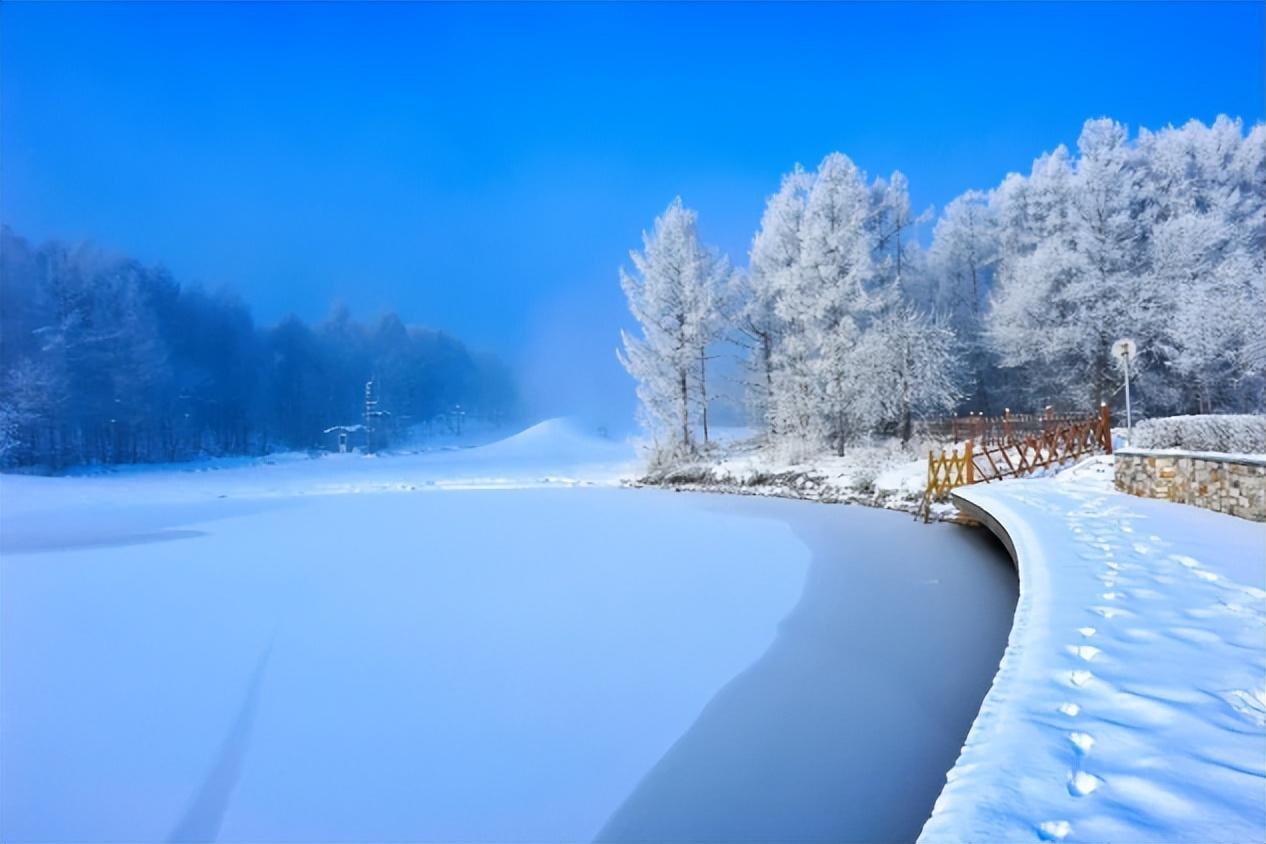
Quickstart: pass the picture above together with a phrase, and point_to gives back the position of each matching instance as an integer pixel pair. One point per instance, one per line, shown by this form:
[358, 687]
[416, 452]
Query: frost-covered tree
[103, 359]
[675, 293]
[1032, 323]
[832, 286]
[907, 367]
[961, 263]
[774, 257]
[1161, 239]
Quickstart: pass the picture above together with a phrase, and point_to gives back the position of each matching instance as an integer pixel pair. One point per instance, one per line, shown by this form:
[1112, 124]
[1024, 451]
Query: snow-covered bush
[1241, 434]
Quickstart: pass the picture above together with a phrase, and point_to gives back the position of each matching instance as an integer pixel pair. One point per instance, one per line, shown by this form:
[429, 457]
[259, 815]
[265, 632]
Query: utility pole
[371, 414]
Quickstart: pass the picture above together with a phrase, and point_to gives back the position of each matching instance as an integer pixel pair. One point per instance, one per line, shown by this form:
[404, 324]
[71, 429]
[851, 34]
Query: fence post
[971, 465]
[1105, 425]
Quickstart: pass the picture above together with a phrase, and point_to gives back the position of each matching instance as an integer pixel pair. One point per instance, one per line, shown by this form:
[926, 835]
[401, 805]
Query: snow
[1130, 704]
[553, 453]
[500, 643]
[881, 472]
[1223, 456]
[1243, 433]
[459, 646]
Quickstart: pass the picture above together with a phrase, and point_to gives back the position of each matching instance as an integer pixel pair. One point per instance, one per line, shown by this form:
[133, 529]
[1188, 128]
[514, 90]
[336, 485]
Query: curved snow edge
[947, 821]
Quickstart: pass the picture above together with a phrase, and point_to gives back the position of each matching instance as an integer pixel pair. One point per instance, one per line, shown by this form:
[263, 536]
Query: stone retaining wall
[1234, 484]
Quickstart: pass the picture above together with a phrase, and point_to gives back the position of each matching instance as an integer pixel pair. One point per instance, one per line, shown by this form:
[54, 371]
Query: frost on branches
[848, 329]
[676, 293]
[1161, 239]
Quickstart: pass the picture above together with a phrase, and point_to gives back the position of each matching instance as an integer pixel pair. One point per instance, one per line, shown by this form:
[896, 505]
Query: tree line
[846, 327]
[106, 360]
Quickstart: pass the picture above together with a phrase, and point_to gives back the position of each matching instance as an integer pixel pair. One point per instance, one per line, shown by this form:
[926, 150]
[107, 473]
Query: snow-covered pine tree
[774, 257]
[907, 366]
[1163, 240]
[961, 263]
[825, 295]
[894, 250]
[1032, 323]
[674, 294]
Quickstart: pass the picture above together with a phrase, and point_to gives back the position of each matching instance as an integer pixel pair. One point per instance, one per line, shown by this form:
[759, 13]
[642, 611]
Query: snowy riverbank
[496, 643]
[883, 474]
[347, 646]
[1130, 704]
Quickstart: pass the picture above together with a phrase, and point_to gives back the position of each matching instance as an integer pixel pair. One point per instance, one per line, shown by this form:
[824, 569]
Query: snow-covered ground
[494, 643]
[1131, 703]
[142, 503]
[880, 474]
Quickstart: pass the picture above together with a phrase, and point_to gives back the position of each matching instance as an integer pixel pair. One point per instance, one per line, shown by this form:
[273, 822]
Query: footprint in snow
[1086, 652]
[1069, 709]
[1081, 783]
[1251, 705]
[1082, 741]
[1086, 631]
[1054, 830]
[1080, 678]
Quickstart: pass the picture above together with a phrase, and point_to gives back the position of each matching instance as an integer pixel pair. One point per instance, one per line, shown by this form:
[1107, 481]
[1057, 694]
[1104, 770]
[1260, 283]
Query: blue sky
[485, 168]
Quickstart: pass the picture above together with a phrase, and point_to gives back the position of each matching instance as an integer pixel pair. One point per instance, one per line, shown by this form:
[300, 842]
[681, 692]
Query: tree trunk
[685, 410]
[907, 423]
[767, 357]
[703, 392]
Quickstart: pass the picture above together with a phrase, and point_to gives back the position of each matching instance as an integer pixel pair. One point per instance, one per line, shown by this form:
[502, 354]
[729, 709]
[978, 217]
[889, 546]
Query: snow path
[1131, 702]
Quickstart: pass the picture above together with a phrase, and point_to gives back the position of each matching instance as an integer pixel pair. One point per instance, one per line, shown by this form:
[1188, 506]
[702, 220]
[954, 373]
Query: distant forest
[106, 360]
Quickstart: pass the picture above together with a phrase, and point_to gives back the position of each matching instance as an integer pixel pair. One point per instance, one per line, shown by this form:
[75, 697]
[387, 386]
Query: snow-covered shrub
[1242, 434]
[863, 464]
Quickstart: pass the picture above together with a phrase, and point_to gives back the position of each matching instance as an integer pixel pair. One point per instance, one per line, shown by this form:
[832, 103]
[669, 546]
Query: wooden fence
[1013, 455]
[994, 430]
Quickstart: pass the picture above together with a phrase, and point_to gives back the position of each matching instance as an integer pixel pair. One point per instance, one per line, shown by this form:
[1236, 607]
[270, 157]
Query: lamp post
[1123, 350]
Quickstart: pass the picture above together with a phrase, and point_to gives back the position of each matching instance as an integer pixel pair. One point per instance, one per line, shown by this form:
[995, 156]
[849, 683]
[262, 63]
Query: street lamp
[1123, 350]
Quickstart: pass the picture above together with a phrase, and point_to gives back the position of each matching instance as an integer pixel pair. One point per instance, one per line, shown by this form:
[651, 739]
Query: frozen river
[513, 664]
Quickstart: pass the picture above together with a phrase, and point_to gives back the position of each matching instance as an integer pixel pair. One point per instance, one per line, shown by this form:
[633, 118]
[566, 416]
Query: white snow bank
[1131, 702]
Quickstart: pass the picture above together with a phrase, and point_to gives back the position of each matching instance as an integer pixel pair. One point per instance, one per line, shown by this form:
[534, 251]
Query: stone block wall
[1234, 484]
